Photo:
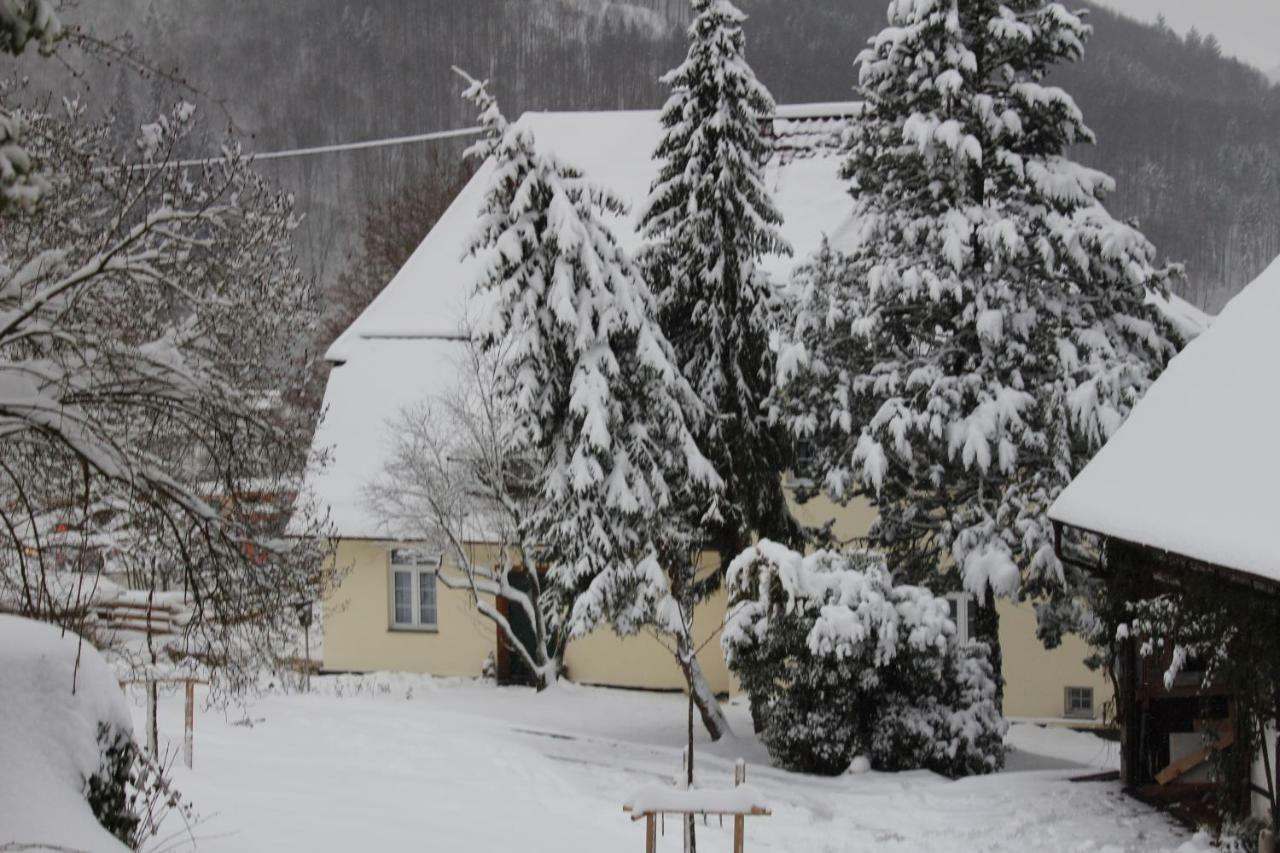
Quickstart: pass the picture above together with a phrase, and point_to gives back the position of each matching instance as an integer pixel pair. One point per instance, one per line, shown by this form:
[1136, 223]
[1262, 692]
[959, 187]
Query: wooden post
[188, 739]
[153, 734]
[306, 643]
[690, 838]
[739, 828]
[650, 834]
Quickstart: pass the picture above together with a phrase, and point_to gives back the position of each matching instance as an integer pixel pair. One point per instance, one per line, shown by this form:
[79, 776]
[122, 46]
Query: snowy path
[469, 768]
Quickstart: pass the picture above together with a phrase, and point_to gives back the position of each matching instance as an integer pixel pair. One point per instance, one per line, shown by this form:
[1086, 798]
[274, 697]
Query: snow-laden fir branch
[988, 331]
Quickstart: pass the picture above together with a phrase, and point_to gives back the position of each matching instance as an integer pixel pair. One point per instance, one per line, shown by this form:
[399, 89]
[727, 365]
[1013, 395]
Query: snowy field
[388, 763]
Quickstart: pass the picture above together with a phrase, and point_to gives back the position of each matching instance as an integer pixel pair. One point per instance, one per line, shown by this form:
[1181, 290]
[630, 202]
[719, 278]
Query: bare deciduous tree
[453, 480]
[151, 321]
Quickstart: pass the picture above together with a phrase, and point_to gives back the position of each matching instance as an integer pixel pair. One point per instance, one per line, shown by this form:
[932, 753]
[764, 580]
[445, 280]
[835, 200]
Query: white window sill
[414, 629]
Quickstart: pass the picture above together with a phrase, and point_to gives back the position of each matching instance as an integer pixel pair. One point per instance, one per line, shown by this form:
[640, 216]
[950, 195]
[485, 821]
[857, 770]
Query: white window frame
[965, 610]
[417, 563]
[1067, 710]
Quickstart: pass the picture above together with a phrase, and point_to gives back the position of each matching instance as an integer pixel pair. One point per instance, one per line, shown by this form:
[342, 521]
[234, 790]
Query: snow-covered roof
[430, 295]
[1193, 471]
[404, 347]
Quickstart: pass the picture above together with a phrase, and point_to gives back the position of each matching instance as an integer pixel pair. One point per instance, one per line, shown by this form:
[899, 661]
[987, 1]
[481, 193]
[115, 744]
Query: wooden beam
[755, 811]
[1193, 759]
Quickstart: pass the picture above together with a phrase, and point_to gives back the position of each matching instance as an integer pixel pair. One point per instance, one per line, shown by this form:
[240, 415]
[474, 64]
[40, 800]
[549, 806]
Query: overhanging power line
[318, 149]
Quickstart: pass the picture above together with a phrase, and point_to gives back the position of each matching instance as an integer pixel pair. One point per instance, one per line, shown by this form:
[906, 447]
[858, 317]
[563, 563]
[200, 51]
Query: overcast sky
[1247, 29]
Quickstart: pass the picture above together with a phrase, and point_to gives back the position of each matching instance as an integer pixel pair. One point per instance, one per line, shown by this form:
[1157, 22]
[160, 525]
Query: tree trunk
[987, 626]
[700, 691]
[690, 836]
[548, 672]
[757, 714]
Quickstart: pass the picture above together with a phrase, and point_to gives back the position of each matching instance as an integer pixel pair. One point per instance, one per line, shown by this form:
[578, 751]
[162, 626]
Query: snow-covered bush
[838, 660]
[62, 719]
[955, 731]
[989, 329]
[107, 790]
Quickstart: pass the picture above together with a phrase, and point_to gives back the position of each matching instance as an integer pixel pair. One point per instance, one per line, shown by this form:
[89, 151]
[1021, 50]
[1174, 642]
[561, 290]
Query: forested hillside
[1192, 138]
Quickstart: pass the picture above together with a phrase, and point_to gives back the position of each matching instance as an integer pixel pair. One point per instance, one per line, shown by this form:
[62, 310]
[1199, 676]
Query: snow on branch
[150, 425]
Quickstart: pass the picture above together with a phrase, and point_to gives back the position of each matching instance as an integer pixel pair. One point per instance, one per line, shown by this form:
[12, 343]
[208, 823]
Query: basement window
[1079, 702]
[414, 600]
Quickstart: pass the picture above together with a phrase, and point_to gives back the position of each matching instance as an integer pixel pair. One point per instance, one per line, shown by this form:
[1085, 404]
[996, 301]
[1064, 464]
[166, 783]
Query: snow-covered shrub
[60, 703]
[803, 733]
[71, 775]
[130, 794]
[955, 732]
[107, 790]
[838, 660]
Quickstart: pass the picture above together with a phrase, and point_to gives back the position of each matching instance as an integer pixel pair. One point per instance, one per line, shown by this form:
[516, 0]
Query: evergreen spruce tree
[600, 409]
[988, 332]
[708, 221]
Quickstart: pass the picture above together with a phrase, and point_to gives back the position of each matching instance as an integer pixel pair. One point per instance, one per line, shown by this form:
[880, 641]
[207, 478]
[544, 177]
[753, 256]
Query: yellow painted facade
[358, 635]
[1036, 678]
[646, 661]
[357, 622]
[847, 522]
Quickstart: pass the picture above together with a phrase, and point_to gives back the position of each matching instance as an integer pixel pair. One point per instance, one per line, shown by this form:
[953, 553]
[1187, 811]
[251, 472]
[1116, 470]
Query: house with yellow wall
[391, 612]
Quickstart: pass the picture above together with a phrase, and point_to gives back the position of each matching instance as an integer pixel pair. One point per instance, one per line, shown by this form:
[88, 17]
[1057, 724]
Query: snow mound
[56, 691]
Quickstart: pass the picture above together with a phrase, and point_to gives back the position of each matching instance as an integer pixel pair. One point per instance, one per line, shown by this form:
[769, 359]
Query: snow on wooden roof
[1194, 469]
[402, 349]
[810, 130]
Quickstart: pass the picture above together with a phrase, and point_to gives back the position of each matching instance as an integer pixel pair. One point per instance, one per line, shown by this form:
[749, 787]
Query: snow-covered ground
[386, 762]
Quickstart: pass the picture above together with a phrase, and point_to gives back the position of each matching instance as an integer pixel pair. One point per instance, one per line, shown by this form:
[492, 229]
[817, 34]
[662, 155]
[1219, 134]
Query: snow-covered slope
[1194, 468]
[55, 690]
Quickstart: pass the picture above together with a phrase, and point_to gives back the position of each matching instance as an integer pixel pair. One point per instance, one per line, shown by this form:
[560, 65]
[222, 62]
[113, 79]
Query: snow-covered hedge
[839, 661]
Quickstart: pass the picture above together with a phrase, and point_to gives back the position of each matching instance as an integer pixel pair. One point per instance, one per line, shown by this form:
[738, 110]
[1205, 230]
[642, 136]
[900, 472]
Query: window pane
[1080, 701]
[403, 601]
[426, 598]
[971, 621]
